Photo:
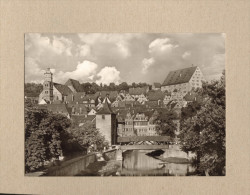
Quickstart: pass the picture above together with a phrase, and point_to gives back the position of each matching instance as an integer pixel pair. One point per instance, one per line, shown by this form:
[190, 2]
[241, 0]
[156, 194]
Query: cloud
[32, 71]
[108, 75]
[186, 54]
[83, 50]
[161, 45]
[81, 73]
[214, 70]
[119, 41]
[41, 44]
[146, 63]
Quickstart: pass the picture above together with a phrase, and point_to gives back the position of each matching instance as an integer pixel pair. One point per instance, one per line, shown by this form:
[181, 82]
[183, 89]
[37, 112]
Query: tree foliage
[87, 135]
[91, 88]
[164, 119]
[32, 89]
[43, 132]
[203, 128]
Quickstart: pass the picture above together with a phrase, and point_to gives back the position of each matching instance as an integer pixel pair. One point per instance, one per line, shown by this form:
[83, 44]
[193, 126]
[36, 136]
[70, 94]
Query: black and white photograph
[124, 104]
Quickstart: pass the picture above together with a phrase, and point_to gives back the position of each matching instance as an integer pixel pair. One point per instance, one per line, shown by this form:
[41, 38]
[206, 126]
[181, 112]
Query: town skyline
[149, 59]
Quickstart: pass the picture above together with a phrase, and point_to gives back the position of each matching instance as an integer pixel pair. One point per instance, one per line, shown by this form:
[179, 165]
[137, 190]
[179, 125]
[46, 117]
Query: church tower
[48, 85]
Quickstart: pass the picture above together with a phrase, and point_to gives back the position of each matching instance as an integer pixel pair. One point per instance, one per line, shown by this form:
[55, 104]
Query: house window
[103, 116]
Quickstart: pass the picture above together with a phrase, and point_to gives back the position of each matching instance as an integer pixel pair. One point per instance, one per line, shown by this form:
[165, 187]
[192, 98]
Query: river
[137, 163]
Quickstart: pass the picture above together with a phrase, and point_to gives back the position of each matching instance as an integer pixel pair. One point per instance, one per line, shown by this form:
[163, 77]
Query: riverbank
[102, 168]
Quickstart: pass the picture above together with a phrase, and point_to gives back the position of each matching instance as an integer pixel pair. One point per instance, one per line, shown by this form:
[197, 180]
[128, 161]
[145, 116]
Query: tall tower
[48, 85]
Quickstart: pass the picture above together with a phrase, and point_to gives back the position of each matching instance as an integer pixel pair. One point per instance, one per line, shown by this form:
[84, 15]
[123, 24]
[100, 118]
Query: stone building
[106, 122]
[183, 79]
[54, 91]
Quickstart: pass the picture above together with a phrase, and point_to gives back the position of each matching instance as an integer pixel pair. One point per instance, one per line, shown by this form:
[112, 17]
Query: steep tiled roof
[112, 94]
[155, 95]
[59, 108]
[152, 104]
[138, 90]
[179, 76]
[75, 84]
[75, 97]
[63, 89]
[105, 109]
[79, 107]
[83, 119]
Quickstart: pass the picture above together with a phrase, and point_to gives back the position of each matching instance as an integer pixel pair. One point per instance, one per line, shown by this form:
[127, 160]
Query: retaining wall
[72, 167]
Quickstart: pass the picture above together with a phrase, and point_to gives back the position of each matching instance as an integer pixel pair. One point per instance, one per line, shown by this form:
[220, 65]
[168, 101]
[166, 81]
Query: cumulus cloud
[120, 41]
[186, 54]
[146, 63]
[161, 45]
[81, 73]
[108, 75]
[58, 45]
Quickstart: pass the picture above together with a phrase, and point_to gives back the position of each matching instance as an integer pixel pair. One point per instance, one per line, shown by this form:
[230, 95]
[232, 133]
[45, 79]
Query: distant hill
[32, 89]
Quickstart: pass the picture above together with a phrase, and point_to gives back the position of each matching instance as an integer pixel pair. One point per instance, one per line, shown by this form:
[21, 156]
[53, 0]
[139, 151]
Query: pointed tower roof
[106, 108]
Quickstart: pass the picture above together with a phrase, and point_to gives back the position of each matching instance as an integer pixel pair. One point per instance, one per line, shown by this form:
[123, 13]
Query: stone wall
[72, 167]
[109, 155]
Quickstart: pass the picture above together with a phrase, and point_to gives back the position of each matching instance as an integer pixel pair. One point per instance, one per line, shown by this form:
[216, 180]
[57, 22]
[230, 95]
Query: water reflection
[137, 163]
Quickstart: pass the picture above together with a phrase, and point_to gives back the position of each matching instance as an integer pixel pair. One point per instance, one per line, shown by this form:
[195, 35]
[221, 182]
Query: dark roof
[59, 108]
[121, 115]
[83, 119]
[105, 109]
[75, 84]
[191, 96]
[138, 90]
[152, 104]
[155, 95]
[157, 85]
[80, 97]
[111, 94]
[63, 89]
[179, 76]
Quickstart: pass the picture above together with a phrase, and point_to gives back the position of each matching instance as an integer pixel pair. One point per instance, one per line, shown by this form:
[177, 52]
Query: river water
[137, 163]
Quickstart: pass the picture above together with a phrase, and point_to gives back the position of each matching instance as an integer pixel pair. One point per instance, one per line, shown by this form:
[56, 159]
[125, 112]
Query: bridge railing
[144, 138]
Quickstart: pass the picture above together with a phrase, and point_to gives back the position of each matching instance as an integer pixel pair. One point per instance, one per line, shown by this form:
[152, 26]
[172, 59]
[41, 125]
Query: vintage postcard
[103, 104]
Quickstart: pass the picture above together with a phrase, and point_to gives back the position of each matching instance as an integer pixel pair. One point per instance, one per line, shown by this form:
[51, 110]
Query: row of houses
[121, 113]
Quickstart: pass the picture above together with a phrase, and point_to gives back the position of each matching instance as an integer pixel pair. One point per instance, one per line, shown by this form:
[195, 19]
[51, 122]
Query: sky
[106, 58]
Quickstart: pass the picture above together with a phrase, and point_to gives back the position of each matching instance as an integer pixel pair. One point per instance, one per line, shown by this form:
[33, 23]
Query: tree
[203, 128]
[32, 89]
[87, 135]
[43, 131]
[164, 119]
[123, 86]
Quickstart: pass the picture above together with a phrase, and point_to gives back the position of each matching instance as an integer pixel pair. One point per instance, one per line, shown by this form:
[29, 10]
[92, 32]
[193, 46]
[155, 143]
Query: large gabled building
[183, 79]
[54, 91]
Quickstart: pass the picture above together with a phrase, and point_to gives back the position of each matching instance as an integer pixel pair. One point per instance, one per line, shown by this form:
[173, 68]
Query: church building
[57, 92]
